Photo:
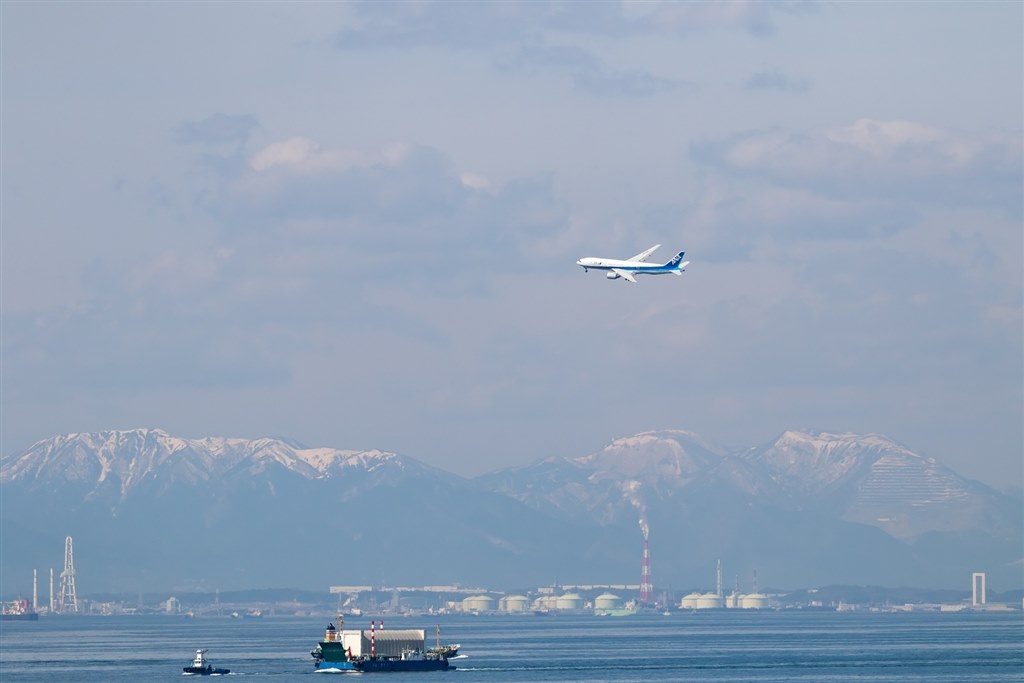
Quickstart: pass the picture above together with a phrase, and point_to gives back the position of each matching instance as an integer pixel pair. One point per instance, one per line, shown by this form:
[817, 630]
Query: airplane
[636, 265]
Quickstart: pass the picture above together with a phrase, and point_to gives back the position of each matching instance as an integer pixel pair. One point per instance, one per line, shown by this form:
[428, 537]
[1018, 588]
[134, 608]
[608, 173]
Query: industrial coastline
[597, 599]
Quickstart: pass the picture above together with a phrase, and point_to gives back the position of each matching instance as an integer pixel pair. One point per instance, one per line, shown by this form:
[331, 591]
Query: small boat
[201, 667]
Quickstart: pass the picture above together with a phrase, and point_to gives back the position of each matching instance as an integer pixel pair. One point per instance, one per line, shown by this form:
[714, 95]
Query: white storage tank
[569, 601]
[754, 601]
[514, 603]
[607, 601]
[545, 602]
[710, 601]
[478, 603]
[689, 601]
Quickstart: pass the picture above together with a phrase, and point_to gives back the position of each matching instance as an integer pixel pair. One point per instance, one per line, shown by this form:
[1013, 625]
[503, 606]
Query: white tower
[974, 588]
[35, 591]
[718, 590]
[68, 598]
[51, 590]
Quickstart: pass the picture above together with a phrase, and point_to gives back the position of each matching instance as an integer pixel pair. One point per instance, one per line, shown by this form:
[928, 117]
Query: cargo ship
[18, 610]
[380, 650]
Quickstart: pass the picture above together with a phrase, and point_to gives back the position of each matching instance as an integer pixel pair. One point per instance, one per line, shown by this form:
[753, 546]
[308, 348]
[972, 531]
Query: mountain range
[149, 510]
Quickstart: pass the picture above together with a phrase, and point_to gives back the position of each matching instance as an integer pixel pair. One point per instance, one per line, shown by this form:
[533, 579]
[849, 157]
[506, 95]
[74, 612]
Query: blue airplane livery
[636, 265]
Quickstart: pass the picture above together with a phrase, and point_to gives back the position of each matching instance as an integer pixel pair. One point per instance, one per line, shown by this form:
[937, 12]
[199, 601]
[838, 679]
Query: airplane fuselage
[609, 263]
[627, 269]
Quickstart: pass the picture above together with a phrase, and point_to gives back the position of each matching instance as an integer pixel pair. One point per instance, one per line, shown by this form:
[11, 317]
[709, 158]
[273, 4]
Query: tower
[718, 584]
[977, 597]
[51, 591]
[35, 591]
[646, 587]
[68, 599]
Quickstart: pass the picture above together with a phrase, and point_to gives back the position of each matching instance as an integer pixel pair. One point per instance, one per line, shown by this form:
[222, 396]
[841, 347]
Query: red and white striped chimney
[646, 587]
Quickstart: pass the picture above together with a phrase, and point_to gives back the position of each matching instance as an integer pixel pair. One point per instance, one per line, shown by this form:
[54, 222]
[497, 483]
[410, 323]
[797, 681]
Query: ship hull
[25, 616]
[402, 665]
[369, 665]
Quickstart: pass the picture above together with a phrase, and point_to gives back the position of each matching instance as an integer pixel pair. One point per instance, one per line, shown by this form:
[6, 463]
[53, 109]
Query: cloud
[377, 26]
[486, 25]
[775, 79]
[300, 154]
[877, 158]
[292, 152]
[216, 129]
[300, 179]
[586, 72]
[404, 205]
[475, 180]
[536, 37]
[750, 211]
[669, 16]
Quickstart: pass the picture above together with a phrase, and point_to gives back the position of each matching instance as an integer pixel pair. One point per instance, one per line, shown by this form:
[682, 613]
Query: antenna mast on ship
[68, 596]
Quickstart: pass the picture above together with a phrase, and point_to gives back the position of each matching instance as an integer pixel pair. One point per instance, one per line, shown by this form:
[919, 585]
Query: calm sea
[737, 646]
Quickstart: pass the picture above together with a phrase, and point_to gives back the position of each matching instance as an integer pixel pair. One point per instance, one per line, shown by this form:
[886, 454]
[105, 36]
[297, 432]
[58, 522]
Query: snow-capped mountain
[219, 511]
[869, 479]
[147, 508]
[842, 502]
[616, 478]
[874, 480]
[121, 462]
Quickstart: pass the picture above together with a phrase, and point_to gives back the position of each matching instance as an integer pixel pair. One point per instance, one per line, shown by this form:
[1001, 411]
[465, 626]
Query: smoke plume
[631, 489]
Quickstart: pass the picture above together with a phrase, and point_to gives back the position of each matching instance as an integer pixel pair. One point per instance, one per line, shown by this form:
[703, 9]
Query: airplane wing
[625, 273]
[642, 256]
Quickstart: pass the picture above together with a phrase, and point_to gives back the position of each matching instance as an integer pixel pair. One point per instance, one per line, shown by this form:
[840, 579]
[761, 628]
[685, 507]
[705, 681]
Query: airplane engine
[612, 276]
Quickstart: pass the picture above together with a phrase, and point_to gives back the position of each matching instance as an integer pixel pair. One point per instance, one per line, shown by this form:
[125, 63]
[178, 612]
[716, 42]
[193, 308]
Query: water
[729, 646]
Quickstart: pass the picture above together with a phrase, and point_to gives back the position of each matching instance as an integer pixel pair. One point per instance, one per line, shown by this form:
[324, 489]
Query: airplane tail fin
[677, 261]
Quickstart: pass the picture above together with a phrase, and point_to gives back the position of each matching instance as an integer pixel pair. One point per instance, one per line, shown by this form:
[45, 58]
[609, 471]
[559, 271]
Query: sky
[356, 224]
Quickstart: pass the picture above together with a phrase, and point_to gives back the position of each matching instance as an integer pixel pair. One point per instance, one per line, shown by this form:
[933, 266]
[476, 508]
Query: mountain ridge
[857, 507]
